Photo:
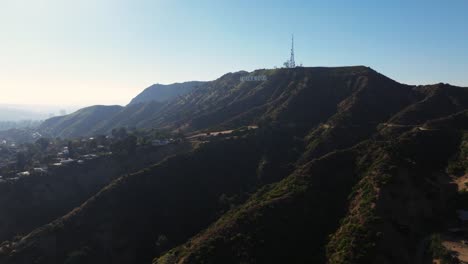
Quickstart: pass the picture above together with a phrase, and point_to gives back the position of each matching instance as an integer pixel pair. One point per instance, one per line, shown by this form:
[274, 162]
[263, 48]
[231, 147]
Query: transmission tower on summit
[291, 62]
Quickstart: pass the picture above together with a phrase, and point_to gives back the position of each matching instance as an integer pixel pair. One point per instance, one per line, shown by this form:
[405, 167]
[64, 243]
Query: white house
[67, 161]
[40, 170]
[23, 174]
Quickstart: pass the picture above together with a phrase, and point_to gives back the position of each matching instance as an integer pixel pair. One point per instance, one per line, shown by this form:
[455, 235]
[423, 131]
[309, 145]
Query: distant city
[13, 112]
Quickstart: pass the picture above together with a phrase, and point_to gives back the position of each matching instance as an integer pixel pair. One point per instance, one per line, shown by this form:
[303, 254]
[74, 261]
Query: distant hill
[165, 92]
[83, 122]
[102, 119]
[346, 166]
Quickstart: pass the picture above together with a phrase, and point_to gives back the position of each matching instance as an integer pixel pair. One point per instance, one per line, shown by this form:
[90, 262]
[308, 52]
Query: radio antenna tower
[292, 63]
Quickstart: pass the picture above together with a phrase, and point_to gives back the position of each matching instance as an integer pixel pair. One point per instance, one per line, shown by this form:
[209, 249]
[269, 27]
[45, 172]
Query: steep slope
[164, 92]
[123, 222]
[37, 200]
[101, 120]
[435, 101]
[265, 231]
[397, 196]
[131, 116]
[80, 123]
[301, 97]
[287, 222]
[347, 166]
[373, 101]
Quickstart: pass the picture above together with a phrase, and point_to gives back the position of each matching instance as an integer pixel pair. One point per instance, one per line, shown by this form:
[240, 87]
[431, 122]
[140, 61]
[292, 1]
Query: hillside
[346, 166]
[34, 201]
[164, 92]
[302, 96]
[139, 112]
[83, 122]
[389, 209]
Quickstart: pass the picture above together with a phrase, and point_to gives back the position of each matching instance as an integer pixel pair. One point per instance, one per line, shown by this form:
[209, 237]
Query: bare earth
[458, 247]
[215, 133]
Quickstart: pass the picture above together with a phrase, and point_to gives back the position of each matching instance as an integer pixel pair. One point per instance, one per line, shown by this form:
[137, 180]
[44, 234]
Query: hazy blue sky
[84, 52]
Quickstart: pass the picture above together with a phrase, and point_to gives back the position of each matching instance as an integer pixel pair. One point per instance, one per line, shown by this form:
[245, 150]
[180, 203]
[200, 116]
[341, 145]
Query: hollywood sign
[257, 78]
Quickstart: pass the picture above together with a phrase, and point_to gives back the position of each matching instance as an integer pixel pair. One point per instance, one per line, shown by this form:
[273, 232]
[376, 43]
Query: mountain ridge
[333, 148]
[164, 92]
[257, 98]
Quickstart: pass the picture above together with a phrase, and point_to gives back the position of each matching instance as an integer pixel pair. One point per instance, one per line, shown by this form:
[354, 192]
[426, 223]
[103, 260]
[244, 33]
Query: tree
[71, 149]
[119, 133]
[125, 146]
[21, 160]
[43, 143]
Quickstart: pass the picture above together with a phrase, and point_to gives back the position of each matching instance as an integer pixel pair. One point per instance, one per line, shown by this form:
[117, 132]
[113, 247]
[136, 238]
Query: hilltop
[164, 92]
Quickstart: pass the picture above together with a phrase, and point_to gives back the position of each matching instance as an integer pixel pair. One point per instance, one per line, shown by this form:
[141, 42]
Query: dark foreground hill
[33, 201]
[346, 166]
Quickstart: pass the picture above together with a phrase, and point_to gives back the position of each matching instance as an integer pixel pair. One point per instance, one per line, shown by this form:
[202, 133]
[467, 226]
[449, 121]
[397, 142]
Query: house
[23, 174]
[89, 156]
[66, 151]
[36, 135]
[40, 170]
[67, 161]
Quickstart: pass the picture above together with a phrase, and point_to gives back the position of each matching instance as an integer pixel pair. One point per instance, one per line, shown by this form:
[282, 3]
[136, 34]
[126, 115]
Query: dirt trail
[215, 133]
[459, 247]
[462, 182]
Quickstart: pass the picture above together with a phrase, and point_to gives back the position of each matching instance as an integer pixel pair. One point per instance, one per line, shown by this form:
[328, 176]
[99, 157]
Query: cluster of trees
[122, 143]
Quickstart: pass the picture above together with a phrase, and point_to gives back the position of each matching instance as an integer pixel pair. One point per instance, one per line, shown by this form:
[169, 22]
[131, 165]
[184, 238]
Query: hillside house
[67, 161]
[23, 174]
[40, 170]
